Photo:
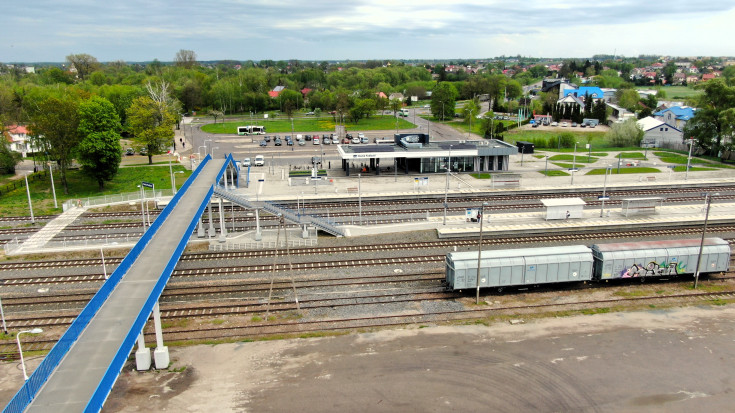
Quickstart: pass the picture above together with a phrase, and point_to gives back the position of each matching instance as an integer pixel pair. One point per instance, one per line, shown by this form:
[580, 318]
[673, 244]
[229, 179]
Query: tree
[625, 134]
[8, 159]
[443, 100]
[55, 125]
[151, 124]
[83, 63]
[99, 150]
[713, 125]
[599, 111]
[217, 114]
[395, 105]
[185, 58]
[470, 110]
[629, 99]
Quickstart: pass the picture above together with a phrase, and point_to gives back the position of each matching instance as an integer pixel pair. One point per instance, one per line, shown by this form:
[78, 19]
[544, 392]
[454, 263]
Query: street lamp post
[142, 205]
[200, 152]
[20, 350]
[708, 201]
[604, 187]
[2, 317]
[479, 251]
[546, 168]
[30, 205]
[689, 158]
[446, 184]
[359, 196]
[574, 161]
[104, 267]
[53, 187]
[205, 147]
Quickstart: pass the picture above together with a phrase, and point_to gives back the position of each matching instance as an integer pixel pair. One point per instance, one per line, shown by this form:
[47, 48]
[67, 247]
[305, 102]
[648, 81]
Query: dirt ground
[673, 360]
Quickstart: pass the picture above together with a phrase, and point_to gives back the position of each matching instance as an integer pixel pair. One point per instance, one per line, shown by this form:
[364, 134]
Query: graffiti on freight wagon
[653, 269]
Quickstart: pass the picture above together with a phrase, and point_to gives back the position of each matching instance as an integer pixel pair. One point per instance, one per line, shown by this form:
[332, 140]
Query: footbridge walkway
[79, 372]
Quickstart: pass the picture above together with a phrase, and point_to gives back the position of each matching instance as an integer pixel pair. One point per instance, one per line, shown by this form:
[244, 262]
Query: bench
[352, 190]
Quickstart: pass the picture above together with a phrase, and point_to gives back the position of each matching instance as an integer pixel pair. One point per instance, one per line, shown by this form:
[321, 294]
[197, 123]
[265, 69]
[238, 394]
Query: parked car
[277, 141]
[302, 142]
[289, 142]
[267, 138]
[554, 123]
[346, 140]
[315, 140]
[263, 143]
[535, 125]
[564, 124]
[574, 124]
[307, 137]
[259, 160]
[129, 151]
[360, 135]
[364, 139]
[355, 140]
[143, 151]
[246, 162]
[309, 113]
[326, 141]
[584, 125]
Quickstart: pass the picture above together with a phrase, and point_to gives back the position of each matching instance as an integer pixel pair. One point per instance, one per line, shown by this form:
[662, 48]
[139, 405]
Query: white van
[259, 160]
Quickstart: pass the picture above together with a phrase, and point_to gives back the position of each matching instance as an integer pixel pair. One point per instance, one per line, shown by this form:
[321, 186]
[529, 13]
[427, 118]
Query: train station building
[414, 153]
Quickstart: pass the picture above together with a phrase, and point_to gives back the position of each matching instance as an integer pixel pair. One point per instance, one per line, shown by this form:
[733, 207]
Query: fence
[115, 198]
[261, 245]
[21, 183]
[30, 388]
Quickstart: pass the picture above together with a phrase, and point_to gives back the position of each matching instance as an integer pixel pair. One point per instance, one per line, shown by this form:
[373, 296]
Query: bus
[404, 112]
[251, 130]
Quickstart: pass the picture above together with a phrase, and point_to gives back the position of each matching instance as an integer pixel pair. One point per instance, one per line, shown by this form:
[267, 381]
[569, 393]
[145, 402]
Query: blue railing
[34, 383]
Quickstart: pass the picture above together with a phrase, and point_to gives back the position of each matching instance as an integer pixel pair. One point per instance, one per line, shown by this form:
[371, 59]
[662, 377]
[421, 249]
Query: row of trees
[73, 124]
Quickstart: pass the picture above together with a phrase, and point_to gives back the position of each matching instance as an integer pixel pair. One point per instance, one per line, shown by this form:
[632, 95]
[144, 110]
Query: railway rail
[21, 265]
[298, 327]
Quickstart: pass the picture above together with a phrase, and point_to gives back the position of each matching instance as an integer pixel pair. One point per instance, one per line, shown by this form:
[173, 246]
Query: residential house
[679, 78]
[677, 116]
[708, 76]
[396, 95]
[591, 91]
[692, 79]
[571, 99]
[657, 133]
[276, 91]
[19, 139]
[381, 95]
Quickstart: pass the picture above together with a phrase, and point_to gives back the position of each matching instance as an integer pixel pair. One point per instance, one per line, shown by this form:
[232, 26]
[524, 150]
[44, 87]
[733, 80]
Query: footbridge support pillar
[142, 355]
[160, 354]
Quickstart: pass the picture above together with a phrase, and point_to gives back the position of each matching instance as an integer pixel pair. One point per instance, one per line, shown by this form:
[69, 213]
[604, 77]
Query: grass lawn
[679, 92]
[321, 124]
[580, 158]
[625, 170]
[567, 165]
[554, 173]
[632, 155]
[15, 203]
[670, 157]
[683, 168]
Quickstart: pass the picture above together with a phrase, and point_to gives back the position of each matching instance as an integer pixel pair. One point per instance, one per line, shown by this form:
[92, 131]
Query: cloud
[331, 29]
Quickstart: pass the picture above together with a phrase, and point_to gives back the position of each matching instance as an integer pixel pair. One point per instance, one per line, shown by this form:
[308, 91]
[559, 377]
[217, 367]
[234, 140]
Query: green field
[15, 203]
[321, 124]
[554, 173]
[579, 158]
[625, 170]
[678, 92]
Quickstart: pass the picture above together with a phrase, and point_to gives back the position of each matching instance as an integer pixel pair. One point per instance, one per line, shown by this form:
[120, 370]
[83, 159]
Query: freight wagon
[534, 266]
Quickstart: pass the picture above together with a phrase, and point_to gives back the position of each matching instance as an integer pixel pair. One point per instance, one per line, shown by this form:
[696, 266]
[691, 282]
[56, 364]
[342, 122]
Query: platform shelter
[564, 208]
[641, 205]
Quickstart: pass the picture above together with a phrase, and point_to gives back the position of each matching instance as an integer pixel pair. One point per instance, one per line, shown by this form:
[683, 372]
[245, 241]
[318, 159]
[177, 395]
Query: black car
[263, 143]
[277, 141]
[289, 142]
[307, 137]
[327, 136]
[267, 138]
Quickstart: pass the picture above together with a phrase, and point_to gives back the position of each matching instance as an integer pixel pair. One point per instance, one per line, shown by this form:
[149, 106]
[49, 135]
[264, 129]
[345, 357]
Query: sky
[138, 30]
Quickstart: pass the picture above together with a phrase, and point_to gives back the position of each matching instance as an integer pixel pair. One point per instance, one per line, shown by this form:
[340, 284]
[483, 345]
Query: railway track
[297, 327]
[441, 244]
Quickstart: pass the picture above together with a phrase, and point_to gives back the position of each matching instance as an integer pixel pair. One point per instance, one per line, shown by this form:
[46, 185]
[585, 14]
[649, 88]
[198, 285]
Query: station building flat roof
[489, 147]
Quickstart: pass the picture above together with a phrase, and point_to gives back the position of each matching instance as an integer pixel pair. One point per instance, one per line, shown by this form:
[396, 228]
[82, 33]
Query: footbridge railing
[286, 213]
